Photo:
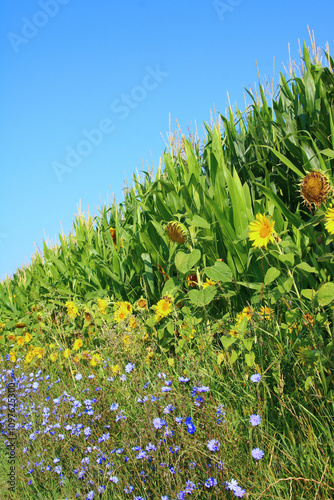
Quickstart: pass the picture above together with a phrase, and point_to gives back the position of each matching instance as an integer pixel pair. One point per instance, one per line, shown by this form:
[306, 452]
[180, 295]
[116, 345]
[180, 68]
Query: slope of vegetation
[181, 343]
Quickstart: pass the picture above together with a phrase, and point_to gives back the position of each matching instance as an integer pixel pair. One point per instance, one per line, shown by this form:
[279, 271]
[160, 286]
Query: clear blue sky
[70, 67]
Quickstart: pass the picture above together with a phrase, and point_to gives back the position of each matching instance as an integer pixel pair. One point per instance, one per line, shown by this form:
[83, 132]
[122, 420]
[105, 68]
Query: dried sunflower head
[192, 280]
[306, 355]
[315, 188]
[177, 232]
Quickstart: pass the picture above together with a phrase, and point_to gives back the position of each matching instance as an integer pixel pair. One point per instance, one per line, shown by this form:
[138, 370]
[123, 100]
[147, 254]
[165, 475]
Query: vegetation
[182, 342]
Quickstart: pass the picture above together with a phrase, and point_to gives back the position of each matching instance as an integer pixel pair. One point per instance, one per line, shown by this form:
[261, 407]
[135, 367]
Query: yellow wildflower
[27, 337]
[77, 344]
[115, 368]
[96, 358]
[39, 352]
[72, 309]
[126, 339]
[102, 305]
[2, 326]
[20, 341]
[120, 314]
[233, 333]
[12, 356]
[163, 308]
[53, 356]
[133, 323]
[261, 231]
[29, 357]
[265, 312]
[209, 282]
[11, 337]
[67, 353]
[329, 225]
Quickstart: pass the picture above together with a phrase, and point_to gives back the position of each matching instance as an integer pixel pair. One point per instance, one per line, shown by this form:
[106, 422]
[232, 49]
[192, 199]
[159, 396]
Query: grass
[84, 429]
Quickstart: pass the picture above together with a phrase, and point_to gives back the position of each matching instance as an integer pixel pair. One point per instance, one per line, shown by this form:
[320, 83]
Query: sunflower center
[264, 231]
[313, 188]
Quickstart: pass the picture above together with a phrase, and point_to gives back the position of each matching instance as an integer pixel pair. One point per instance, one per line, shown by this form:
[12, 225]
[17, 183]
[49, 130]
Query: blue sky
[87, 88]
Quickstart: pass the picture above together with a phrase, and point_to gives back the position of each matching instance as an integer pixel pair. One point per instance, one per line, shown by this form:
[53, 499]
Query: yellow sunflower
[261, 231]
[329, 225]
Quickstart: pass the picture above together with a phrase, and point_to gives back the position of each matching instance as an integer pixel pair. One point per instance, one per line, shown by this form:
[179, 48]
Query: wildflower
[122, 377]
[72, 309]
[66, 353]
[96, 358]
[261, 231]
[183, 379]
[20, 341]
[314, 189]
[213, 445]
[115, 369]
[114, 406]
[77, 344]
[209, 282]
[257, 453]
[120, 314]
[78, 376]
[102, 305]
[265, 312]
[255, 378]
[329, 225]
[129, 367]
[163, 308]
[210, 482]
[234, 333]
[114, 479]
[255, 420]
[53, 356]
[27, 337]
[158, 423]
[12, 356]
[239, 492]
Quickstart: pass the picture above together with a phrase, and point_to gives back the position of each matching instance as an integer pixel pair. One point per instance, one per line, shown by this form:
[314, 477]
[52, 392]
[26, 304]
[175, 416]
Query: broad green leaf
[248, 344]
[326, 294]
[198, 221]
[285, 285]
[201, 298]
[306, 267]
[250, 359]
[271, 275]
[219, 272]
[233, 357]
[184, 262]
[308, 293]
[227, 341]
